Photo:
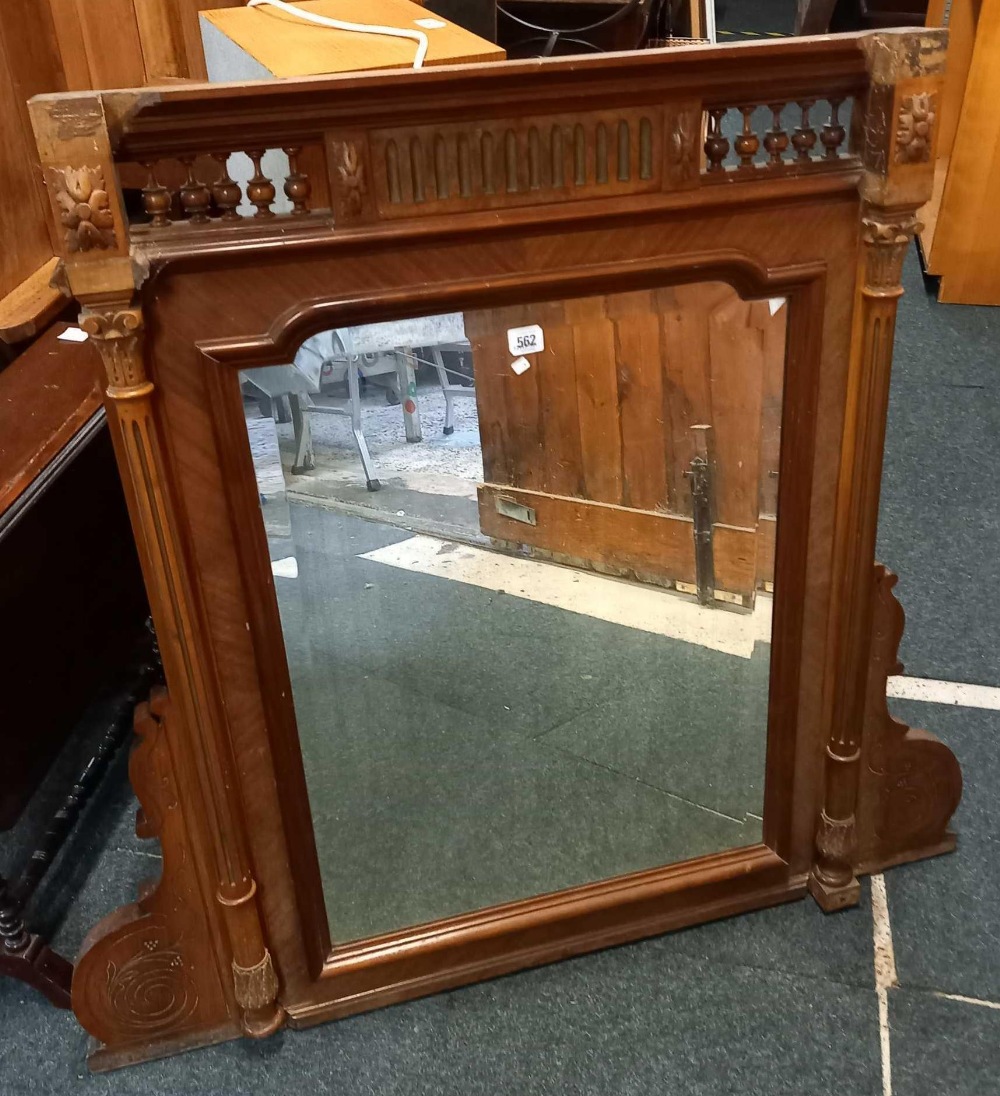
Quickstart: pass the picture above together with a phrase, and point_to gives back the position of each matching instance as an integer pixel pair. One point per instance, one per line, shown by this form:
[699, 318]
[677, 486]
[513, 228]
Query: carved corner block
[89, 224]
[910, 782]
[901, 119]
[148, 972]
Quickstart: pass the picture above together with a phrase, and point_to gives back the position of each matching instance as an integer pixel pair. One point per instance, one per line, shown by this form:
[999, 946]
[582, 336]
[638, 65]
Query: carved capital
[117, 335]
[887, 240]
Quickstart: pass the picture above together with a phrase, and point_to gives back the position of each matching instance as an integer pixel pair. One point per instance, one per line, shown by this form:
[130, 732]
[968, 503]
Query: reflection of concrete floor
[430, 484]
[464, 747]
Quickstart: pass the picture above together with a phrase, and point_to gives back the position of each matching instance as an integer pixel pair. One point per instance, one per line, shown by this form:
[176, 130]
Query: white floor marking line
[968, 1000]
[885, 973]
[644, 608]
[944, 692]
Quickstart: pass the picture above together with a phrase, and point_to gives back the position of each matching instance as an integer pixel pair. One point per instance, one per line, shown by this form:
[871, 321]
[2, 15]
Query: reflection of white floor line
[643, 608]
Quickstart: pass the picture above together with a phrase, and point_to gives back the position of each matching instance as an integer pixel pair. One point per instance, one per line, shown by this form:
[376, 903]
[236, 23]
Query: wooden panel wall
[130, 43]
[72, 45]
[607, 414]
[29, 63]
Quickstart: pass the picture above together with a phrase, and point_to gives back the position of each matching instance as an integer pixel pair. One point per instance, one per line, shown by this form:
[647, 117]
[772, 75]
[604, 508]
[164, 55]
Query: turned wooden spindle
[260, 189]
[776, 139]
[716, 145]
[297, 185]
[226, 192]
[804, 137]
[156, 199]
[747, 142]
[196, 198]
[833, 133]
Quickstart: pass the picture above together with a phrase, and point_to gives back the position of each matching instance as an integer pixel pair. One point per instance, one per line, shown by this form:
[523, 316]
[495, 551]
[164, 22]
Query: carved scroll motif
[914, 128]
[84, 208]
[147, 969]
[911, 782]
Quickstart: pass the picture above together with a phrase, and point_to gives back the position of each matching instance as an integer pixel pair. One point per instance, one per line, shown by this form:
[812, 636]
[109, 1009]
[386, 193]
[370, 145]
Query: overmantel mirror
[505, 477]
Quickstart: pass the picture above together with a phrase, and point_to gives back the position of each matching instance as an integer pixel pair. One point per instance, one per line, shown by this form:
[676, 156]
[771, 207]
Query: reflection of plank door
[586, 453]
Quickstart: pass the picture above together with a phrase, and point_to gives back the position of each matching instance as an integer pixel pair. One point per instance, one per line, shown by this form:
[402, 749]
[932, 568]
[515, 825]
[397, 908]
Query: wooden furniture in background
[71, 598]
[960, 239]
[606, 473]
[55, 491]
[451, 189]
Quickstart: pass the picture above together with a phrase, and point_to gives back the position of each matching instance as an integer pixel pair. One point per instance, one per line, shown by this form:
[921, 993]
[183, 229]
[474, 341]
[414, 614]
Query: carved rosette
[915, 128]
[886, 245]
[117, 336]
[84, 208]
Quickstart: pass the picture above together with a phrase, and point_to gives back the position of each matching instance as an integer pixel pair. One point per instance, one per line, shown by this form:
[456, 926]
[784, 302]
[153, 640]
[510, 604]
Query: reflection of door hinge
[701, 510]
[511, 508]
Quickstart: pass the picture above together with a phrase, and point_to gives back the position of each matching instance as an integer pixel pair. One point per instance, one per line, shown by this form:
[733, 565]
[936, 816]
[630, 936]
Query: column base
[832, 898]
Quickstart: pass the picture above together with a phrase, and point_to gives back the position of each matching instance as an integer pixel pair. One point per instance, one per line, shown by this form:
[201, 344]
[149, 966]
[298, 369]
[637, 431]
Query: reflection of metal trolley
[366, 353]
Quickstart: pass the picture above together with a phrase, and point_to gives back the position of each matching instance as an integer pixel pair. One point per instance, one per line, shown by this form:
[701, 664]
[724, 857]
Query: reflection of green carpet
[464, 747]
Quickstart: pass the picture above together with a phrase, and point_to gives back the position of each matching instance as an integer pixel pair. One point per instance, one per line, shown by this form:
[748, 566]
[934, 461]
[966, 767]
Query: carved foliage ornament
[84, 208]
[352, 177]
[914, 128]
[683, 153]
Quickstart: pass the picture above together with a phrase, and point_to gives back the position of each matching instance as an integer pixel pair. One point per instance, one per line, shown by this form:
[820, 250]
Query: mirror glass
[523, 559]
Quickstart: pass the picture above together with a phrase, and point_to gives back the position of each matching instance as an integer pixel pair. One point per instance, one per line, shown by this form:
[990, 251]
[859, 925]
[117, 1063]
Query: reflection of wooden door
[588, 453]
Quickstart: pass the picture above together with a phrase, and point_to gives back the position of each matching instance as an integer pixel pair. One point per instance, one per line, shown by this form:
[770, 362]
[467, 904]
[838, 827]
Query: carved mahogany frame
[234, 938]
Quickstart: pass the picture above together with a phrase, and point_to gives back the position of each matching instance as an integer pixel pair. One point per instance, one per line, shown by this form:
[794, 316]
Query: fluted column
[117, 332]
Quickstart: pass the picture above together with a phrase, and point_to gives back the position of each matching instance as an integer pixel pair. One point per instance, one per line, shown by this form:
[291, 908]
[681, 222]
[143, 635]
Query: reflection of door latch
[701, 511]
[512, 509]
